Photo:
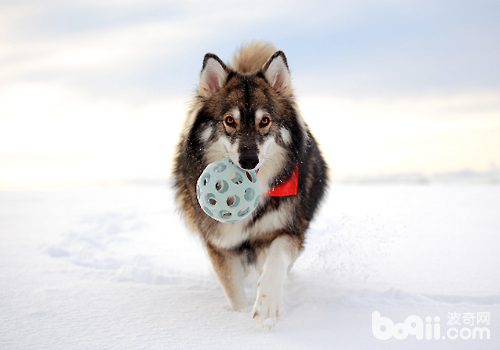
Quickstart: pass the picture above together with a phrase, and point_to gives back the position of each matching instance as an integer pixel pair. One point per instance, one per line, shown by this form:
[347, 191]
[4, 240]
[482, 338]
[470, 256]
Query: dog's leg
[229, 270]
[268, 306]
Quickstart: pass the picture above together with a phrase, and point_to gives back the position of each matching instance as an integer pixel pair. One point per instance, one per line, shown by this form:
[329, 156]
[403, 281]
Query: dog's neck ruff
[287, 187]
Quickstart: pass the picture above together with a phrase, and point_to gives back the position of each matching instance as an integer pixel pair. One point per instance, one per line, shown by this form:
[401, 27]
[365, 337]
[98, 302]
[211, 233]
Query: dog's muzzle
[248, 162]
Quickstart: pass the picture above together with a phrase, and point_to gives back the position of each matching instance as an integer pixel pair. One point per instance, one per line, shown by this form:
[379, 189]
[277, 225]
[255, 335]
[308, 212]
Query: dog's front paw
[268, 306]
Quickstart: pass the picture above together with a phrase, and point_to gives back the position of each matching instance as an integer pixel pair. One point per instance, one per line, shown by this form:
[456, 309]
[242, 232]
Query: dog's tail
[252, 56]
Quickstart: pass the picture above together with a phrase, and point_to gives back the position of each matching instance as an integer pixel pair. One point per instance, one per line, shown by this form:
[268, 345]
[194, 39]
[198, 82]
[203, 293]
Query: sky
[93, 93]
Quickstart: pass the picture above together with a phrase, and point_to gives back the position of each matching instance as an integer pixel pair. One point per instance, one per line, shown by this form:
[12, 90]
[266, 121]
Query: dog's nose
[249, 162]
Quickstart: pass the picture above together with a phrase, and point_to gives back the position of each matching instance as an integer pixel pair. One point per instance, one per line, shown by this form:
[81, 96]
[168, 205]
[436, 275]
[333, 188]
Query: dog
[246, 111]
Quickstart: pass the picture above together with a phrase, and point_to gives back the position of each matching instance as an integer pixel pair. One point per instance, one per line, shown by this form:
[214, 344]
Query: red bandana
[287, 187]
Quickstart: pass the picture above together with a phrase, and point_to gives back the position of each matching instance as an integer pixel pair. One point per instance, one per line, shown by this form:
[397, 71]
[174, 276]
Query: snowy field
[116, 269]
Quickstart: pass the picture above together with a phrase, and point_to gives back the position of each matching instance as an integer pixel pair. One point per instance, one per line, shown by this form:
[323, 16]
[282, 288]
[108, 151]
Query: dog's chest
[234, 234]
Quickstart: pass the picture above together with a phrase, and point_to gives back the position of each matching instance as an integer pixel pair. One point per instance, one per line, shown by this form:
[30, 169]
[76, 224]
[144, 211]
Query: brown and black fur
[207, 136]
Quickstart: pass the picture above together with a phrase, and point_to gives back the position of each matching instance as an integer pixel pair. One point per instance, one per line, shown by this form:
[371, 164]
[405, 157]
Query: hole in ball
[219, 167]
[250, 177]
[233, 201]
[206, 179]
[210, 198]
[225, 213]
[244, 211]
[221, 186]
[236, 178]
[249, 194]
[257, 201]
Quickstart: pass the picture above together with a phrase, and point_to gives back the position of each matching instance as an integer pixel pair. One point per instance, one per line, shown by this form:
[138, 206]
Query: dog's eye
[264, 121]
[229, 120]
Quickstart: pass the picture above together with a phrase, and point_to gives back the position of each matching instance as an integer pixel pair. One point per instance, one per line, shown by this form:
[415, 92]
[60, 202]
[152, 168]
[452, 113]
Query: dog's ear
[213, 75]
[277, 73]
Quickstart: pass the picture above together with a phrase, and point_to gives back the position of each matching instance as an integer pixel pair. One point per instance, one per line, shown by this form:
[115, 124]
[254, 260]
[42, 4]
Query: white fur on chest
[233, 234]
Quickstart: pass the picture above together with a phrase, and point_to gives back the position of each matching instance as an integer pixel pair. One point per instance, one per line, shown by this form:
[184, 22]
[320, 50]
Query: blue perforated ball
[226, 192]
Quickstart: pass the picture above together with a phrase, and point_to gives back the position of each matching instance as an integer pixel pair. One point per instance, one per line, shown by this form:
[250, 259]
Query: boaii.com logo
[384, 328]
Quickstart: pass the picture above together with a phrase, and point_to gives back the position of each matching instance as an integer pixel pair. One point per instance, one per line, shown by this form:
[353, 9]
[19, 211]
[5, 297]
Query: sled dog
[246, 111]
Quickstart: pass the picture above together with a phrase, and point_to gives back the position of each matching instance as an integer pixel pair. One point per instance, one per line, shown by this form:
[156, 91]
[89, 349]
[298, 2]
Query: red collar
[287, 187]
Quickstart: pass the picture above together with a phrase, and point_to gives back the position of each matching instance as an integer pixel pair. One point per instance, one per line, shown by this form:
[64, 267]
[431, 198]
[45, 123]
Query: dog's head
[249, 117]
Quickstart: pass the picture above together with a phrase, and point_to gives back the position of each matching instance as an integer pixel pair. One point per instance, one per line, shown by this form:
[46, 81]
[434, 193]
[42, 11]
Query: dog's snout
[249, 162]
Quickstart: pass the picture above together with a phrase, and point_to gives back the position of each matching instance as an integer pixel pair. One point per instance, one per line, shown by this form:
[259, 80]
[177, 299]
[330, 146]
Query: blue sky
[368, 47]
[94, 91]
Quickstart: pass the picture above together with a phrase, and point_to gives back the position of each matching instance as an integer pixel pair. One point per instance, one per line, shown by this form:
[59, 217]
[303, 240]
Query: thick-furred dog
[247, 112]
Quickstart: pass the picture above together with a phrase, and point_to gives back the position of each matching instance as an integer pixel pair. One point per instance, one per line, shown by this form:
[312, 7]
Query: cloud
[344, 48]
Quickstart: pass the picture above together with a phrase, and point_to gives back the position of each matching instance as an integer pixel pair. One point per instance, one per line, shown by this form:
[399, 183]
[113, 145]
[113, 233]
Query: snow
[117, 269]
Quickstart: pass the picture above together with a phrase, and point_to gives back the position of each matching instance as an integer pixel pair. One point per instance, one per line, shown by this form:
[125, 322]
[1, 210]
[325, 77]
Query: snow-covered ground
[116, 269]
